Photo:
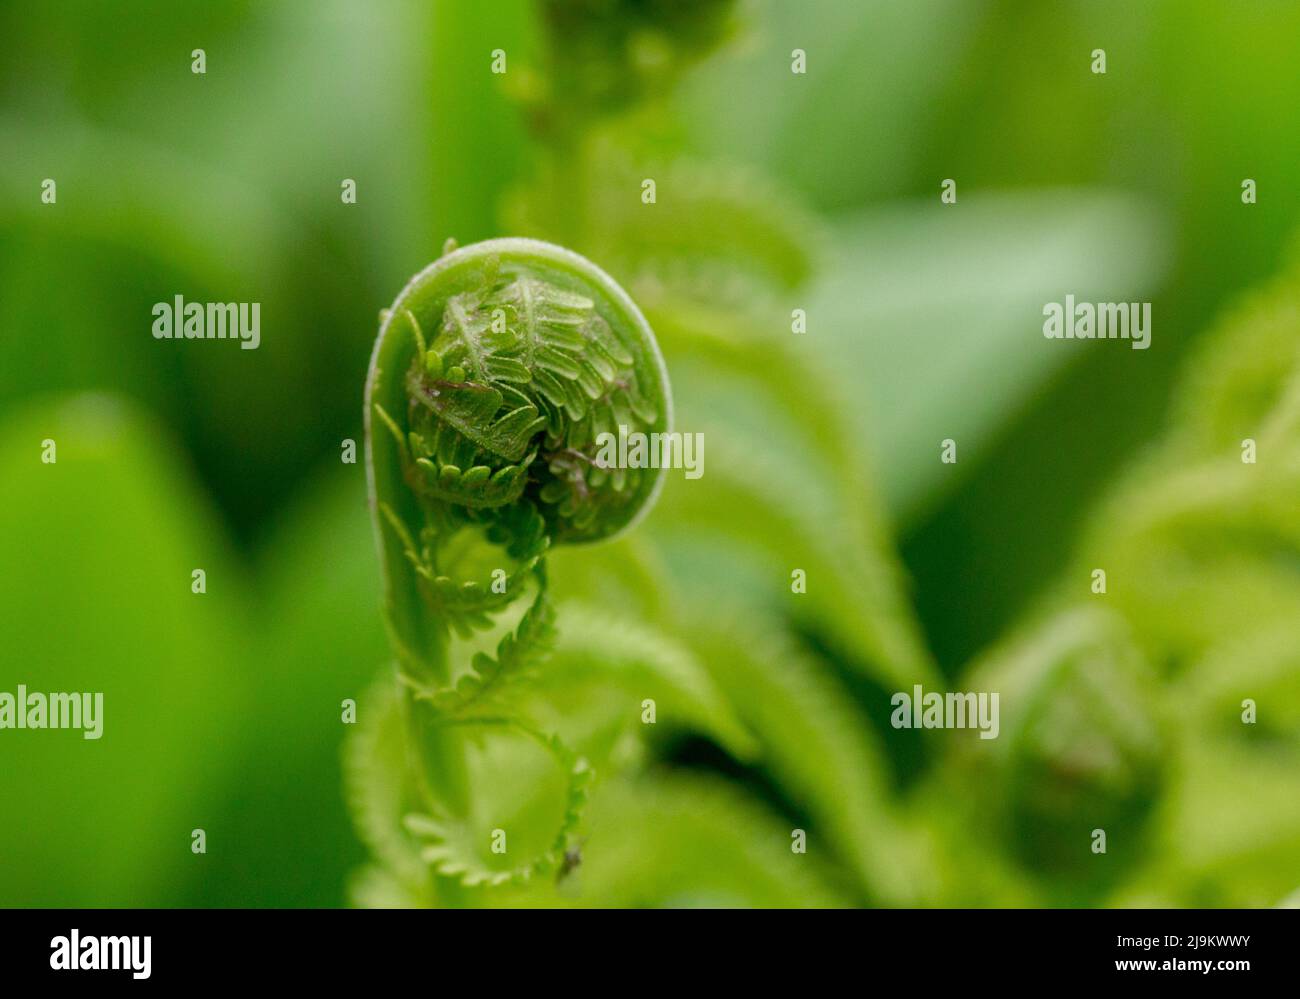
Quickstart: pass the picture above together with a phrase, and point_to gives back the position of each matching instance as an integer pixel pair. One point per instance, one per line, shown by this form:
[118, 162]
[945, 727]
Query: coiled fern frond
[496, 372]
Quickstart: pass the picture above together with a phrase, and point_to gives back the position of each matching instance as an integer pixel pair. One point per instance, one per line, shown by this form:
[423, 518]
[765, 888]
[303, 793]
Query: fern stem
[494, 374]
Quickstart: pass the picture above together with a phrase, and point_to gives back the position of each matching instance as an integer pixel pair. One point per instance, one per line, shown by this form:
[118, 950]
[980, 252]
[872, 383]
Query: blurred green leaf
[322, 642]
[97, 597]
[938, 311]
[886, 61]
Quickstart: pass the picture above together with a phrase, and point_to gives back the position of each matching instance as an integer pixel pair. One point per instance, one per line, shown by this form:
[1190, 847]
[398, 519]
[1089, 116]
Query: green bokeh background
[222, 711]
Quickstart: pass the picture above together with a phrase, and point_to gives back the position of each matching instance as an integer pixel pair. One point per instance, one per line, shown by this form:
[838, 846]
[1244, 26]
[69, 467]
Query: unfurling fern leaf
[598, 645]
[818, 748]
[1203, 535]
[1241, 373]
[494, 376]
[719, 233]
[1080, 746]
[1201, 543]
[713, 845]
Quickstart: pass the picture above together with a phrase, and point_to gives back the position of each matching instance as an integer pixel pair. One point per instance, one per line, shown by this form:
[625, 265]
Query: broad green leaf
[322, 642]
[886, 61]
[933, 314]
[97, 596]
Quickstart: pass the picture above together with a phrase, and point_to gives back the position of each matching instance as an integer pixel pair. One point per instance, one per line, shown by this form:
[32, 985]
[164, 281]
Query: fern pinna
[494, 374]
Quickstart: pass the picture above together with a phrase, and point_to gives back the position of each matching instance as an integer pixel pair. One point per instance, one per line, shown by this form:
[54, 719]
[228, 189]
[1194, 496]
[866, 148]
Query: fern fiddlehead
[494, 376]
